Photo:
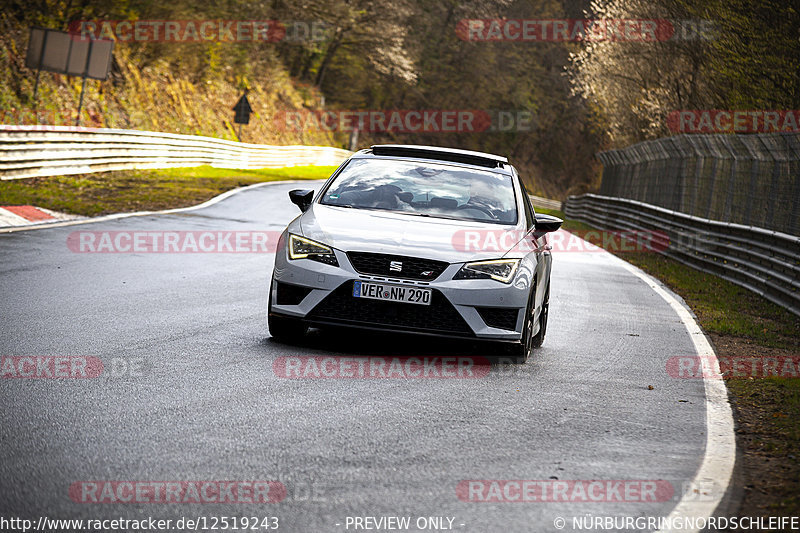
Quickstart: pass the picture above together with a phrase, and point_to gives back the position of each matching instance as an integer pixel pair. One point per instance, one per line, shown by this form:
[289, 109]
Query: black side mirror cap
[302, 198]
[547, 223]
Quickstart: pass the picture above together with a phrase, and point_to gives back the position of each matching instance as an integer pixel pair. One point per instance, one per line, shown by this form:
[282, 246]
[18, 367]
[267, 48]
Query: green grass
[723, 307]
[141, 190]
[782, 396]
[768, 426]
[569, 224]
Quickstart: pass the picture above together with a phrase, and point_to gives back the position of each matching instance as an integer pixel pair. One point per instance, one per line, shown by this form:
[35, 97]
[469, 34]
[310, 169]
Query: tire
[538, 339]
[283, 328]
[520, 351]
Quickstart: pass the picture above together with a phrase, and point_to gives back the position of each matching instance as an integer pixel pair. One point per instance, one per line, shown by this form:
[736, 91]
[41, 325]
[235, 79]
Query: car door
[539, 254]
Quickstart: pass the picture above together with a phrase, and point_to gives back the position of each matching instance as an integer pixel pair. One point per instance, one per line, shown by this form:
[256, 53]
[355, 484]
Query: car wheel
[520, 351]
[283, 328]
[538, 339]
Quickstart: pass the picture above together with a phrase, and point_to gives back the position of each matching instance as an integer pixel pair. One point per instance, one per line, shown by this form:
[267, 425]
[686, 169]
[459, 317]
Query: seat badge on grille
[426, 273]
[395, 266]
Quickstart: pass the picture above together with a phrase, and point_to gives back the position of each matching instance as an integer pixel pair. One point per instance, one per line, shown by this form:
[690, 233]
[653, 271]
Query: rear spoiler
[468, 158]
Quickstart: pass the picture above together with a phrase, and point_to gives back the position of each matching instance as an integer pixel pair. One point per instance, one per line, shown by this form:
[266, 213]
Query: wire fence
[753, 180]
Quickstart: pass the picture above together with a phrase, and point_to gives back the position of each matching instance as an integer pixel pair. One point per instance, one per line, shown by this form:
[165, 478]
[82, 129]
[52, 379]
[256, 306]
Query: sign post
[83, 85]
[68, 53]
[38, 71]
[242, 112]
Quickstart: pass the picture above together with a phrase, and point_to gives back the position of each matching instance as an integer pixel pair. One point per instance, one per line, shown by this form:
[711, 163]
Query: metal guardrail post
[764, 261]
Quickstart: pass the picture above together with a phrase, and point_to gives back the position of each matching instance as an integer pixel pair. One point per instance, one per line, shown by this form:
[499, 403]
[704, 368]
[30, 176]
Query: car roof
[440, 153]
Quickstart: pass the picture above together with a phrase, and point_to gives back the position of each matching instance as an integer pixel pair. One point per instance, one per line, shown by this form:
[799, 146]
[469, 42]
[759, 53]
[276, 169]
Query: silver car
[417, 239]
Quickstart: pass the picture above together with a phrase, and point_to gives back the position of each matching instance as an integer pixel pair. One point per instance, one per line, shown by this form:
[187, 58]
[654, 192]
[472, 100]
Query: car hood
[365, 230]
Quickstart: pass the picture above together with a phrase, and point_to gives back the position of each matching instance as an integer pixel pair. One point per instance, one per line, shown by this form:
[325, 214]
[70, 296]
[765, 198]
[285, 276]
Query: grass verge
[141, 190]
[767, 410]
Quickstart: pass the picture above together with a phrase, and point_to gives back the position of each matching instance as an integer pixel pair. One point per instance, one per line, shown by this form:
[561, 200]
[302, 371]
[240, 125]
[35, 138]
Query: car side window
[530, 217]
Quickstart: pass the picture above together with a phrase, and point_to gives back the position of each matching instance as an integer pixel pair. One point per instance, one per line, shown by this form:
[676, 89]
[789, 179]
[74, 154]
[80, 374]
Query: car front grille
[499, 317]
[410, 267]
[341, 307]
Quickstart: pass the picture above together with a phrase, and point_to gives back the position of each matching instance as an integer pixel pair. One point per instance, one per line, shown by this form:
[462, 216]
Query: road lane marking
[116, 216]
[720, 453]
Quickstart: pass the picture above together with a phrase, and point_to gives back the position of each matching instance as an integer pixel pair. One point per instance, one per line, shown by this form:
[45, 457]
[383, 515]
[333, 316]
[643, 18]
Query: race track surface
[188, 391]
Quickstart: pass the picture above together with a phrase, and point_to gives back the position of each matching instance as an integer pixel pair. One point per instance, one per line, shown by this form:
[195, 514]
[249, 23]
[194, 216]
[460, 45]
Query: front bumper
[459, 308]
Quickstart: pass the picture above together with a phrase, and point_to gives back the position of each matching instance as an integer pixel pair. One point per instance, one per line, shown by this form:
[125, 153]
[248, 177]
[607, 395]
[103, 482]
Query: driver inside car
[483, 198]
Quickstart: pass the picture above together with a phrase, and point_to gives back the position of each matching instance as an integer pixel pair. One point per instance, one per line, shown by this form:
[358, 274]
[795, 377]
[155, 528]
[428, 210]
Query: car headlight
[302, 248]
[498, 269]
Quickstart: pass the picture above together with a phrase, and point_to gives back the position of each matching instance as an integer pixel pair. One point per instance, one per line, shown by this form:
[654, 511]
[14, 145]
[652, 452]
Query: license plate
[391, 293]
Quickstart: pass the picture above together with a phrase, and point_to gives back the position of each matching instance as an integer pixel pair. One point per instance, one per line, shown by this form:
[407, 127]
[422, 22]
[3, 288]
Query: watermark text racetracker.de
[50, 367]
[218, 241]
[588, 30]
[405, 120]
[733, 367]
[162, 241]
[179, 492]
[195, 31]
[734, 121]
[586, 490]
[71, 367]
[551, 491]
[469, 240]
[380, 367]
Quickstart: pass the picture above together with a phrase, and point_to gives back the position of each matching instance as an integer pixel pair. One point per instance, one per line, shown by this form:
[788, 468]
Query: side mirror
[301, 198]
[547, 223]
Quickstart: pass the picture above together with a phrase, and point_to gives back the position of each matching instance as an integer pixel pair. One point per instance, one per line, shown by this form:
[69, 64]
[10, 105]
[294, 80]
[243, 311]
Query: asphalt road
[188, 391]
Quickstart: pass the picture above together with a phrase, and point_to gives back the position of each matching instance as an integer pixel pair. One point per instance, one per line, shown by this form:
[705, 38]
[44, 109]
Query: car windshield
[425, 189]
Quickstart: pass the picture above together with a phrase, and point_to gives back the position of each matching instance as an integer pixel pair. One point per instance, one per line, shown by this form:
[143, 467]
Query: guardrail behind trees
[30, 151]
[753, 180]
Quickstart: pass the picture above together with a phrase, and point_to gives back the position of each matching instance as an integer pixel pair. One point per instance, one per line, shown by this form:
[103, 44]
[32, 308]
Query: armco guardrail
[30, 151]
[545, 203]
[764, 261]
